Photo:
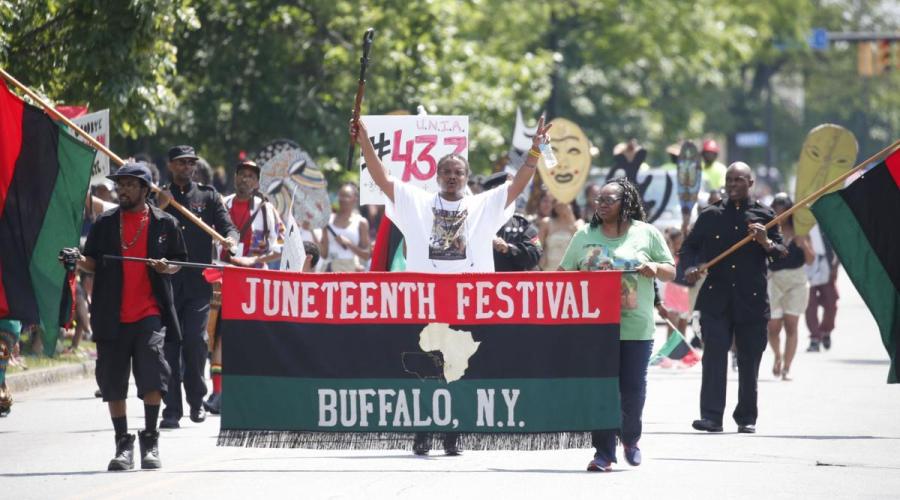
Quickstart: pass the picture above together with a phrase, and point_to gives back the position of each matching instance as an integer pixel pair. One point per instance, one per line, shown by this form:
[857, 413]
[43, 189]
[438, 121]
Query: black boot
[124, 459]
[451, 444]
[422, 443]
[214, 404]
[149, 449]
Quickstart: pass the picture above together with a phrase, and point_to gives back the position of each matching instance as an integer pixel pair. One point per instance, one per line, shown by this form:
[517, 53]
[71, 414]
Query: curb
[31, 379]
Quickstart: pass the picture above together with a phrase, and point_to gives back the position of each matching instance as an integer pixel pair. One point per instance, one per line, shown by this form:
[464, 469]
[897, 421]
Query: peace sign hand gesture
[540, 134]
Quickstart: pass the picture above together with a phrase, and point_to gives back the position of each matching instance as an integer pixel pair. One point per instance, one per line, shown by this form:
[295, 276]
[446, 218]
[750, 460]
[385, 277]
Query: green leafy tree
[102, 53]
[261, 70]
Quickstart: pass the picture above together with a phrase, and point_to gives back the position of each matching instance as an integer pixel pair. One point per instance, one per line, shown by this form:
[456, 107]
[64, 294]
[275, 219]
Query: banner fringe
[400, 441]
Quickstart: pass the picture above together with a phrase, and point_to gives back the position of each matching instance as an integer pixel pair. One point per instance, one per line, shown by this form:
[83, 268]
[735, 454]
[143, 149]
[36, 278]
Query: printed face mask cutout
[573, 152]
[828, 152]
[292, 181]
[689, 175]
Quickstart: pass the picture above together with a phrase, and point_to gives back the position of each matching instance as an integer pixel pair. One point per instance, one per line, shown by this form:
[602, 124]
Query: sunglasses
[607, 200]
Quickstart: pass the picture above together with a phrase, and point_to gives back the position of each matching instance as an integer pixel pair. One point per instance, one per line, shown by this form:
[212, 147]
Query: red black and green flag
[388, 242]
[861, 223]
[44, 176]
[511, 360]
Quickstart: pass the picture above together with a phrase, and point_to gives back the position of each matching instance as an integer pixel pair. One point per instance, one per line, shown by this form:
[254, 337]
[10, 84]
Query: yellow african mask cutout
[828, 151]
[573, 152]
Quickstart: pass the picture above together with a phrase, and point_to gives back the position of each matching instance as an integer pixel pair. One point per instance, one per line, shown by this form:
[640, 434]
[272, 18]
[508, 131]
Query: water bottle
[547, 153]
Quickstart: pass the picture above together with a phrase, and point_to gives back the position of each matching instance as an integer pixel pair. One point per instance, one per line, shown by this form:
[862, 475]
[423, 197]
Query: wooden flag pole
[97, 145]
[805, 201]
[368, 38]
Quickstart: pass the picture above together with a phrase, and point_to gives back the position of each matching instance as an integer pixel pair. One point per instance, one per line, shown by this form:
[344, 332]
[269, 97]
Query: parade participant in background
[556, 230]
[822, 274]
[629, 159]
[476, 184]
[618, 238]
[220, 179]
[788, 290]
[349, 232]
[10, 330]
[676, 306]
[203, 173]
[444, 232]
[312, 257]
[132, 308]
[591, 192]
[192, 291]
[261, 233]
[104, 190]
[539, 204]
[672, 152]
[713, 170]
[544, 205]
[516, 244]
[733, 302]
[259, 226]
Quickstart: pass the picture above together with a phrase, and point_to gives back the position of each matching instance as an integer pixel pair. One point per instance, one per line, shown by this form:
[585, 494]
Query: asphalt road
[832, 432]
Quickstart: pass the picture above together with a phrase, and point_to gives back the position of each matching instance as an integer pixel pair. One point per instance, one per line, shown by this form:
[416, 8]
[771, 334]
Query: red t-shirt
[240, 213]
[138, 300]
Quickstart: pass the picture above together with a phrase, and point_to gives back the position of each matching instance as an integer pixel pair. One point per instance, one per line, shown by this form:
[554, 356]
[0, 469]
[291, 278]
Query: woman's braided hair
[631, 208]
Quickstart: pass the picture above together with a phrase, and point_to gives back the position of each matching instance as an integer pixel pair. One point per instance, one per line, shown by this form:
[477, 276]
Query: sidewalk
[33, 378]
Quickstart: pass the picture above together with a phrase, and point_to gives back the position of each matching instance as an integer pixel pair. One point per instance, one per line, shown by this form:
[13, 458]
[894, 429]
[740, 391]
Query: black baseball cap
[494, 180]
[139, 170]
[248, 164]
[179, 152]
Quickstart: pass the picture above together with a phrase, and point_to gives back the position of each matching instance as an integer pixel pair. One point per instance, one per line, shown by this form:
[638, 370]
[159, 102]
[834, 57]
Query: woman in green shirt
[618, 238]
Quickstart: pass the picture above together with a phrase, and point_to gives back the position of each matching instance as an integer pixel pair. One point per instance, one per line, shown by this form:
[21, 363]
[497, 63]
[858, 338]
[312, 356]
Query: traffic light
[864, 59]
[883, 62]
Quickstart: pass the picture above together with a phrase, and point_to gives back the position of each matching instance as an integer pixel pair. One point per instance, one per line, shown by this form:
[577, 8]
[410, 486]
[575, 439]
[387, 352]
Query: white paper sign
[293, 255]
[97, 126]
[410, 148]
[522, 134]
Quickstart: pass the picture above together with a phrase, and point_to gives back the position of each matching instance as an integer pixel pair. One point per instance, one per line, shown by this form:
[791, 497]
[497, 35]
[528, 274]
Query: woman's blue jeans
[634, 356]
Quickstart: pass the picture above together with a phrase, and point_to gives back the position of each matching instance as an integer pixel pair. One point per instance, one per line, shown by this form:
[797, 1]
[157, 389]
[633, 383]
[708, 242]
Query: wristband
[534, 153]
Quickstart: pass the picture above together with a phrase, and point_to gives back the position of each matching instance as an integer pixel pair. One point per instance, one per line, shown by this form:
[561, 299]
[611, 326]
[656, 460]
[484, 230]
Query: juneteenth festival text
[514, 360]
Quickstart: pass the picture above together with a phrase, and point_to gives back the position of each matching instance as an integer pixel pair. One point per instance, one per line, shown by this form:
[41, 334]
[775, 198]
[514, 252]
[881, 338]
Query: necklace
[137, 235]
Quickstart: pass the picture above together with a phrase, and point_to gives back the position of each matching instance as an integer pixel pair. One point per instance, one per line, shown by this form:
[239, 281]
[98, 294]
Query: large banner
[410, 147]
[512, 360]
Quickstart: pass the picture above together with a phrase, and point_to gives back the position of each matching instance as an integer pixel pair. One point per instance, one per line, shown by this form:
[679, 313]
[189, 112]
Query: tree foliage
[230, 76]
[105, 53]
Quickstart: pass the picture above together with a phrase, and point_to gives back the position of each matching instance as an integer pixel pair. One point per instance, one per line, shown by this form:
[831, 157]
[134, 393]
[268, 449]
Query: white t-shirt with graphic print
[449, 236]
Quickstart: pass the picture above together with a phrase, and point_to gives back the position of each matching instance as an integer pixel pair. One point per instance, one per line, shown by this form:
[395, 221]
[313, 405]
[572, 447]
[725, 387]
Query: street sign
[758, 139]
[818, 40]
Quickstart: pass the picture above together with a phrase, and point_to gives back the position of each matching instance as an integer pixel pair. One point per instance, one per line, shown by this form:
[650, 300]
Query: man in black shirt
[516, 245]
[732, 301]
[192, 292]
[132, 310]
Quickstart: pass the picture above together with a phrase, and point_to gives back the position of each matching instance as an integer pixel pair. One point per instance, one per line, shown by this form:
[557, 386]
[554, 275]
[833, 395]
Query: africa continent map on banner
[511, 360]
